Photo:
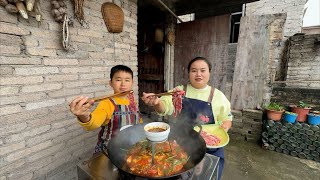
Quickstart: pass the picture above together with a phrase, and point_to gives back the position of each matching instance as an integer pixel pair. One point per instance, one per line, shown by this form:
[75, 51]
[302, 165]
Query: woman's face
[199, 74]
[121, 81]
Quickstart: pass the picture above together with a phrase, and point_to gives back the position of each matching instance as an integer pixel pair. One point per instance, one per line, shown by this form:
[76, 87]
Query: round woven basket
[113, 17]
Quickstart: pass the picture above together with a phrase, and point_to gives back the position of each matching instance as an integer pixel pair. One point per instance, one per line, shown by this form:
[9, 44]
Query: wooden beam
[193, 6]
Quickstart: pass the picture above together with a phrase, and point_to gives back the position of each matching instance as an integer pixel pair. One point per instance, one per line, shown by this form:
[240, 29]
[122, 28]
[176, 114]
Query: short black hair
[199, 58]
[118, 68]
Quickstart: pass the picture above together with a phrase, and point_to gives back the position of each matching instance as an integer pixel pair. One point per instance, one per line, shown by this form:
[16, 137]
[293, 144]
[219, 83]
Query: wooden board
[255, 60]
[206, 37]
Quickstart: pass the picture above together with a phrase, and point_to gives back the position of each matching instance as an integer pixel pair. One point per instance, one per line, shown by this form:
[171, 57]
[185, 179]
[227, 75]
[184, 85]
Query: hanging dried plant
[78, 11]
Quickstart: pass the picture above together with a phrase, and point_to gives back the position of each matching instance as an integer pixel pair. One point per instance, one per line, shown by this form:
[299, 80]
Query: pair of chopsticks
[164, 94]
[110, 96]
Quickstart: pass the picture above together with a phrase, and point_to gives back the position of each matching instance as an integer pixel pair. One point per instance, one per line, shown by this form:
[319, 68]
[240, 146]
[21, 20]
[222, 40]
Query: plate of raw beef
[213, 135]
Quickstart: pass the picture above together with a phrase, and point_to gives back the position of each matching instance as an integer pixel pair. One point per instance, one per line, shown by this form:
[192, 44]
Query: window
[235, 26]
[311, 15]
[186, 17]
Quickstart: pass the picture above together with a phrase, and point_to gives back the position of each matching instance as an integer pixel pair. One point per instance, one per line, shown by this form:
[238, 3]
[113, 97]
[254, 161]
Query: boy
[111, 114]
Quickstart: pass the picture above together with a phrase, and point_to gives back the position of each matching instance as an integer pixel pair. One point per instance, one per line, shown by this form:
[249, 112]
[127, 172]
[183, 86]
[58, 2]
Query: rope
[114, 48]
[65, 33]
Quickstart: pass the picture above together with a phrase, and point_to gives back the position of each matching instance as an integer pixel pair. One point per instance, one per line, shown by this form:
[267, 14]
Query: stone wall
[39, 137]
[304, 61]
[293, 8]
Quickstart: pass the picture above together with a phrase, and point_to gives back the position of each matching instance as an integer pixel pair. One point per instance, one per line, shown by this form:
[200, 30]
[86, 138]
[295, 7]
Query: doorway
[151, 25]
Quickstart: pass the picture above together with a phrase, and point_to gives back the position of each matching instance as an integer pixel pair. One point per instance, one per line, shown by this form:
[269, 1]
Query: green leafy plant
[303, 105]
[274, 106]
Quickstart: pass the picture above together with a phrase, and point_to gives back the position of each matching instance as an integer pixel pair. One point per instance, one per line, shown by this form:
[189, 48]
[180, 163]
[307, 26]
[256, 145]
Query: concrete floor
[248, 161]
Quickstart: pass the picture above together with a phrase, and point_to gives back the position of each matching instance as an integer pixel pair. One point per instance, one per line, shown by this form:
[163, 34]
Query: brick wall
[39, 137]
[293, 8]
[304, 61]
[246, 125]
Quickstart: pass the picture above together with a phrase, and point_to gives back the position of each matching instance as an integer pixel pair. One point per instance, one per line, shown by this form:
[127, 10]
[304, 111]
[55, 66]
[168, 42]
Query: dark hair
[118, 68]
[202, 59]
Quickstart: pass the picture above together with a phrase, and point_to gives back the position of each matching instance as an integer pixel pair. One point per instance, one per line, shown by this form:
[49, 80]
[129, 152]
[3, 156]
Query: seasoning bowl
[157, 131]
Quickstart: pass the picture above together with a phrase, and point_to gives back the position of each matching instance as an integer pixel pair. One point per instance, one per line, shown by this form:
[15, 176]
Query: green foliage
[274, 106]
[303, 105]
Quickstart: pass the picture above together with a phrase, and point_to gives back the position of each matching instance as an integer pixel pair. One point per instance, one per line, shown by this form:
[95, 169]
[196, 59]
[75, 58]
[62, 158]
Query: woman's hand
[81, 109]
[150, 99]
[226, 125]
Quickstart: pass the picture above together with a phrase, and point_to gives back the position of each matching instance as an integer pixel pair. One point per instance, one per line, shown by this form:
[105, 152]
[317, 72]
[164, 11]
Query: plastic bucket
[291, 118]
[313, 119]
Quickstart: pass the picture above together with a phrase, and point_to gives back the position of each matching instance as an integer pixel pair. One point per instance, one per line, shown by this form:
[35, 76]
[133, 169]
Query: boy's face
[121, 81]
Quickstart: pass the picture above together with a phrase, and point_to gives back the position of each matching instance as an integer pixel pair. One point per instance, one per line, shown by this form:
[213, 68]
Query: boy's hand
[81, 109]
[150, 99]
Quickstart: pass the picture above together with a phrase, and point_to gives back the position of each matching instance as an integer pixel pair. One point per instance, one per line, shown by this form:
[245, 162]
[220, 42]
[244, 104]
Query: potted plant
[274, 111]
[314, 118]
[302, 109]
[290, 117]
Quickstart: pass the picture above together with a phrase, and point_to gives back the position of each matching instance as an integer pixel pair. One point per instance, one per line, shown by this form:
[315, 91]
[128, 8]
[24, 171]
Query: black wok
[190, 140]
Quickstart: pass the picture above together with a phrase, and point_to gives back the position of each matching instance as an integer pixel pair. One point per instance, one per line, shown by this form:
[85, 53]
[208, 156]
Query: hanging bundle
[25, 8]
[113, 17]
[59, 9]
[78, 11]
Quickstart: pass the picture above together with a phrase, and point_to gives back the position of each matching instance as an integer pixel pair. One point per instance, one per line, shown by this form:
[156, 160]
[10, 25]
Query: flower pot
[274, 115]
[313, 119]
[291, 118]
[302, 113]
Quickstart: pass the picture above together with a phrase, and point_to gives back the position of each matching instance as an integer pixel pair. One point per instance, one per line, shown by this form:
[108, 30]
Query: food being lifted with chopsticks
[177, 101]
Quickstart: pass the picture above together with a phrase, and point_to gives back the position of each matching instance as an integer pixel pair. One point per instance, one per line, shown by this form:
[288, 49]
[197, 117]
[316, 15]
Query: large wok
[186, 137]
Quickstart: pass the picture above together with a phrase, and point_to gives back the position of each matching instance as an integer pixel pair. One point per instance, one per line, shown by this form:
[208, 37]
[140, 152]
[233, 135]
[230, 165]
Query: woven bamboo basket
[113, 17]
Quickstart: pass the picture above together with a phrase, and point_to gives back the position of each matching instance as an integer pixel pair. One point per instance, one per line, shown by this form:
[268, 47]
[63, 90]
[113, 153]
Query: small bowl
[152, 133]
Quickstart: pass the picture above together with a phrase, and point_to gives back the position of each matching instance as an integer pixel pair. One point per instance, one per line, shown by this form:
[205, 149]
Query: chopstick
[164, 94]
[109, 96]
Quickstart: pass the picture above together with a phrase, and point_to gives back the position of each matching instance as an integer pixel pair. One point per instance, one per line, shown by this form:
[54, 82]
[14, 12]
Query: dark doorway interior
[235, 26]
[151, 26]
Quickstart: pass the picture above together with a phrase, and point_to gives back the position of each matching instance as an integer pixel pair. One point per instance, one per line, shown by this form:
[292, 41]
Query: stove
[100, 167]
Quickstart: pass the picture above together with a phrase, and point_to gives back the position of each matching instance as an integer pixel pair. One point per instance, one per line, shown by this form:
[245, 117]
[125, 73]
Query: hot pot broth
[156, 129]
[169, 159]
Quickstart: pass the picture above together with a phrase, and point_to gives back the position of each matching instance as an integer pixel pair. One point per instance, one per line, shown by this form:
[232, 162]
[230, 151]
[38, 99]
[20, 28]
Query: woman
[202, 103]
